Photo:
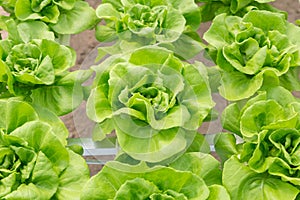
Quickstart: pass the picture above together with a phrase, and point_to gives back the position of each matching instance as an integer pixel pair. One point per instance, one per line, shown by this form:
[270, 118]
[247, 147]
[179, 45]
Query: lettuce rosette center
[34, 161]
[269, 125]
[251, 49]
[154, 101]
[286, 145]
[37, 70]
[153, 95]
[20, 169]
[29, 66]
[154, 23]
[38, 62]
[59, 15]
[142, 16]
[276, 152]
[271, 109]
[13, 160]
[133, 24]
[46, 11]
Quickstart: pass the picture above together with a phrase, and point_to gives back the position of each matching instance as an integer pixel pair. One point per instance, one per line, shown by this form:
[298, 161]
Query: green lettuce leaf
[24, 11]
[128, 179]
[291, 80]
[218, 192]
[81, 17]
[230, 118]
[225, 145]
[236, 86]
[266, 115]
[202, 164]
[27, 31]
[243, 183]
[15, 113]
[64, 98]
[46, 142]
[212, 8]
[72, 179]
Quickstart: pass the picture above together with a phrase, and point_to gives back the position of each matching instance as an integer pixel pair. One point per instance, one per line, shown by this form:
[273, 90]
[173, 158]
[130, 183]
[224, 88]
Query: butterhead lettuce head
[154, 101]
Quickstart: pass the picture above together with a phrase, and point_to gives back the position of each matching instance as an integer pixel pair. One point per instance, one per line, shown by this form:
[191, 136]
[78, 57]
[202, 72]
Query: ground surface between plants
[85, 44]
